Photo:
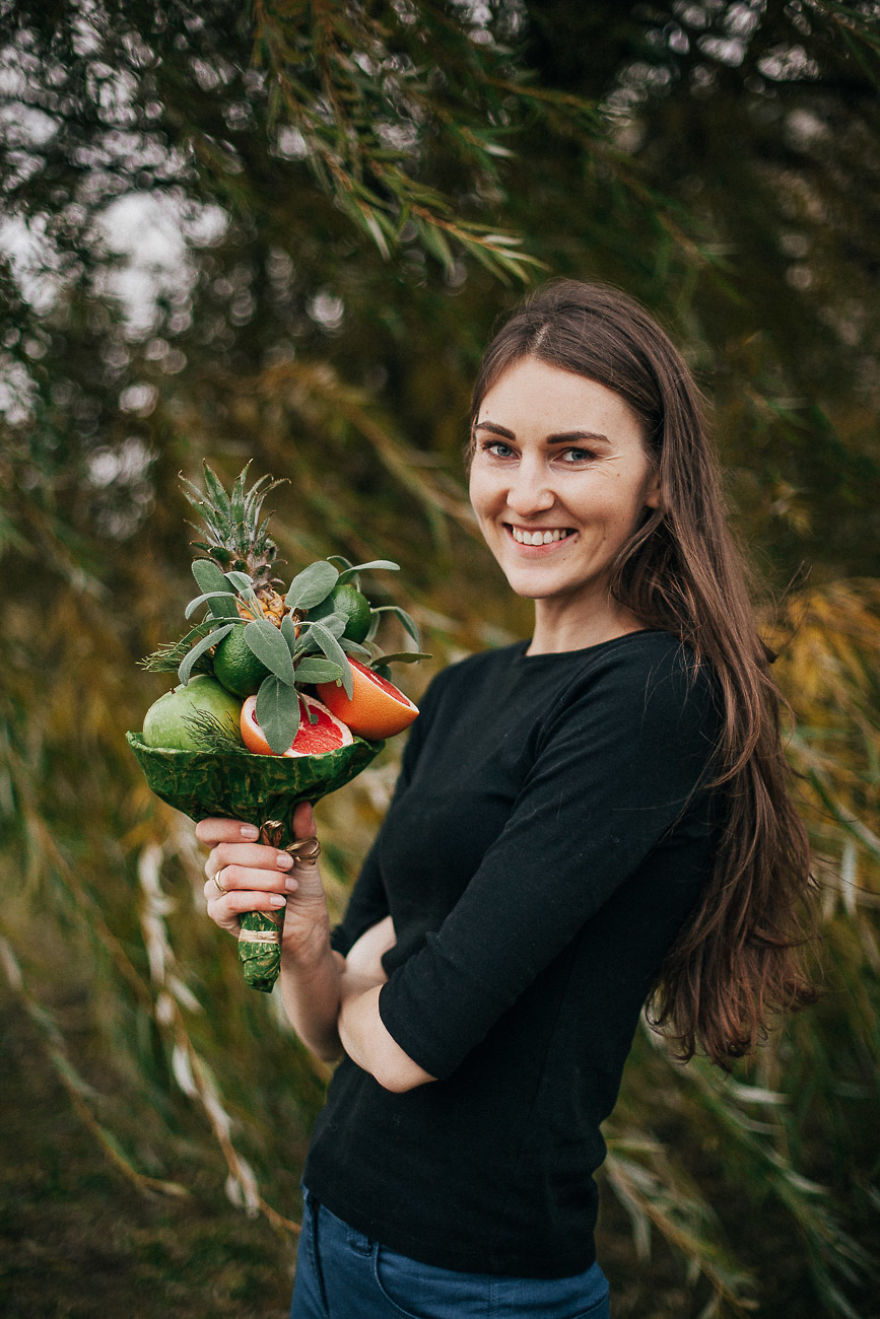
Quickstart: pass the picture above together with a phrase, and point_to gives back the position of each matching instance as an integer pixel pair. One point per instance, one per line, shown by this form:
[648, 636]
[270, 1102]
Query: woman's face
[560, 478]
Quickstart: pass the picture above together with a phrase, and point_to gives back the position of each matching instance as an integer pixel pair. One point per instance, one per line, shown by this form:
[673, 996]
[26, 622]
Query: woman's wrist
[309, 953]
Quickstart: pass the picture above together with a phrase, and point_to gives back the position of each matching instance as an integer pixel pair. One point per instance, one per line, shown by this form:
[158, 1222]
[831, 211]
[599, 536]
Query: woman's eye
[577, 457]
[497, 449]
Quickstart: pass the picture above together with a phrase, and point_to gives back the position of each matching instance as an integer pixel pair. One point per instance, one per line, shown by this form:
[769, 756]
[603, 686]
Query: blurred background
[282, 231]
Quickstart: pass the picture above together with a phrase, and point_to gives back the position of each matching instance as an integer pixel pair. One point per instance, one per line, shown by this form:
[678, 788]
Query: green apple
[168, 722]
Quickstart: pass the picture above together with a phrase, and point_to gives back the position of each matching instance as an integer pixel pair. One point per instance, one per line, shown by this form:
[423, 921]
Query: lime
[236, 665]
[346, 600]
[166, 723]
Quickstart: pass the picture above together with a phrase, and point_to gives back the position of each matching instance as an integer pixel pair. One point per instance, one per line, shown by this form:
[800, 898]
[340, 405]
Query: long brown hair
[741, 957]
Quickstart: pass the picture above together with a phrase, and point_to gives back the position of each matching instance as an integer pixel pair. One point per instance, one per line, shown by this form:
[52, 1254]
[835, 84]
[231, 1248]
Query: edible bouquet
[279, 698]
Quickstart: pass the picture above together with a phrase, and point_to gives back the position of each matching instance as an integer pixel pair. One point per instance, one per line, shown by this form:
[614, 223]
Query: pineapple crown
[236, 538]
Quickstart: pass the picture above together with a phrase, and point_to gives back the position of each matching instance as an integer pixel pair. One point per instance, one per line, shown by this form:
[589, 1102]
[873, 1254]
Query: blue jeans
[341, 1274]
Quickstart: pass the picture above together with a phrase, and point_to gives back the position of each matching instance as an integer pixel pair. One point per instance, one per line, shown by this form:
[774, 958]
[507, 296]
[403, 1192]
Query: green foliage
[346, 197]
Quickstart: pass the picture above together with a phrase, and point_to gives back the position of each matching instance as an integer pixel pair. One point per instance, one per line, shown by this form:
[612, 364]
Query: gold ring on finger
[218, 886]
[305, 851]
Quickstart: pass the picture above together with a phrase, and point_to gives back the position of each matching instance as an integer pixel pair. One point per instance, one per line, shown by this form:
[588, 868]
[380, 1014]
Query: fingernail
[249, 831]
[291, 884]
[284, 860]
[276, 900]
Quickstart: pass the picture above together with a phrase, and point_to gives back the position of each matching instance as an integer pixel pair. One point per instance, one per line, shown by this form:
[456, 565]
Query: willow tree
[282, 232]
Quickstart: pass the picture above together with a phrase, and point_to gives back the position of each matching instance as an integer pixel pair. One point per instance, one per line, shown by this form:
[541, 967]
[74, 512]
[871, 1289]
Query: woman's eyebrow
[565, 437]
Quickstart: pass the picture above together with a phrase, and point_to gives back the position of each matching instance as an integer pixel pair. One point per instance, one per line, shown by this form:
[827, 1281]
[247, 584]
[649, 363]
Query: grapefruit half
[327, 733]
[376, 709]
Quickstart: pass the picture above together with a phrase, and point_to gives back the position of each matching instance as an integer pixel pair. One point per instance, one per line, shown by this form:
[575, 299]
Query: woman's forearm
[333, 1005]
[366, 1040]
[311, 997]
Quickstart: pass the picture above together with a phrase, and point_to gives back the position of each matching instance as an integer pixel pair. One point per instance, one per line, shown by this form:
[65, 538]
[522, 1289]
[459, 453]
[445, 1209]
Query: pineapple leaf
[238, 499]
[312, 585]
[231, 522]
[185, 668]
[217, 496]
[270, 648]
[278, 713]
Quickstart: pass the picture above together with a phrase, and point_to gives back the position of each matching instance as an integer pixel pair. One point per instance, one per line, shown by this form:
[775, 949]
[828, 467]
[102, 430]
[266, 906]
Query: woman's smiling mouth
[539, 535]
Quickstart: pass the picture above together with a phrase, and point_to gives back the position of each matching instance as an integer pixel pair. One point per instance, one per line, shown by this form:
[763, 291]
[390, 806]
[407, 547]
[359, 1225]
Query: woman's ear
[653, 493]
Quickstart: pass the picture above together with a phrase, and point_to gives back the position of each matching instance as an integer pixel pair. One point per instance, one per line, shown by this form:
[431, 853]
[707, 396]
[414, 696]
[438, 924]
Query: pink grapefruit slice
[376, 709]
[327, 733]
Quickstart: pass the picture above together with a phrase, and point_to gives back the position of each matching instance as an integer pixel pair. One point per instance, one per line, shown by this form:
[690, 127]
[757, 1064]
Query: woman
[590, 819]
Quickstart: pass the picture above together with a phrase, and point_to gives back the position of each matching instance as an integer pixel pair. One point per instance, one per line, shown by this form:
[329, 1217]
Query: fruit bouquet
[280, 698]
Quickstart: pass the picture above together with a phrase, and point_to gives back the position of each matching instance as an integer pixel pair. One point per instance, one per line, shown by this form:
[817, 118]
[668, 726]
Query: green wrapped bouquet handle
[262, 790]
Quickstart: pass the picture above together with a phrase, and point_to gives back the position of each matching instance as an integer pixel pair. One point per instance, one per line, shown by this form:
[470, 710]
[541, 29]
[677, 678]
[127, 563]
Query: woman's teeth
[539, 537]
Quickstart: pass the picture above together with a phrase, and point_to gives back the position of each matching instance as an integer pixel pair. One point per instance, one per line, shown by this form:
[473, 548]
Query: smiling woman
[619, 831]
[560, 478]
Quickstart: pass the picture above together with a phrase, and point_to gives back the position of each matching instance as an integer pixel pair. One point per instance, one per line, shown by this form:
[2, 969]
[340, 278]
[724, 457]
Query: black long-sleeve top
[550, 833]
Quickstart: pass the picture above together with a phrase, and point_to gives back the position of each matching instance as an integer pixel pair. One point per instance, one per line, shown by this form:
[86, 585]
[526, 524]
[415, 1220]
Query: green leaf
[355, 648]
[215, 489]
[245, 587]
[266, 642]
[240, 580]
[334, 652]
[222, 598]
[401, 657]
[210, 579]
[333, 623]
[212, 639]
[311, 669]
[408, 622]
[167, 656]
[312, 585]
[353, 569]
[288, 632]
[278, 712]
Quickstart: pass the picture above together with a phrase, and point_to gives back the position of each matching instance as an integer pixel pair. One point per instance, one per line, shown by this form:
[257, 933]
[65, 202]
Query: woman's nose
[530, 491]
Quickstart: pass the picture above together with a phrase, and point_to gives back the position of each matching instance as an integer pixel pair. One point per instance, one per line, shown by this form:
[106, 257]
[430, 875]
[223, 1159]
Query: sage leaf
[288, 631]
[245, 587]
[266, 642]
[334, 623]
[408, 622]
[210, 579]
[312, 585]
[240, 580]
[355, 648]
[312, 669]
[334, 652]
[401, 657]
[353, 569]
[189, 659]
[278, 713]
[225, 601]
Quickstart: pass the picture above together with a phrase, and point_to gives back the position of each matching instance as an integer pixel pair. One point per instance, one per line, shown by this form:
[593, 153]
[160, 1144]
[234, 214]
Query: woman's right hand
[246, 875]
